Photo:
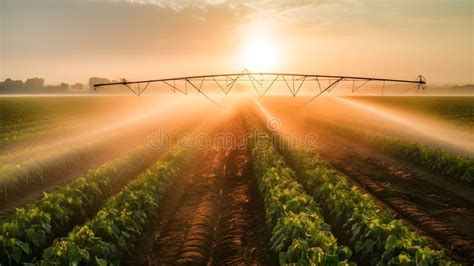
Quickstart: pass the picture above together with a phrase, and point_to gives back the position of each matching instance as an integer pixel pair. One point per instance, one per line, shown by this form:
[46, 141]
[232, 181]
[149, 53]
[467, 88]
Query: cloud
[113, 27]
[145, 37]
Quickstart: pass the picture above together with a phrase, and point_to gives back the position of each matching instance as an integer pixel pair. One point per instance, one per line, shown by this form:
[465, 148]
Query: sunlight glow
[264, 110]
[260, 54]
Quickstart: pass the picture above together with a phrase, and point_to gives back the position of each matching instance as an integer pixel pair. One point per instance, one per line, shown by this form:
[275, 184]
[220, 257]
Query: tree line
[37, 85]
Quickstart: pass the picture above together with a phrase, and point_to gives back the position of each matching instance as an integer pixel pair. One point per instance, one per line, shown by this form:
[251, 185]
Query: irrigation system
[294, 82]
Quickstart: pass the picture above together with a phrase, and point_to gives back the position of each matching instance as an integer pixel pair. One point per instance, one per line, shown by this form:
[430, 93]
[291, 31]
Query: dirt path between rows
[241, 236]
[213, 215]
[186, 237]
[433, 210]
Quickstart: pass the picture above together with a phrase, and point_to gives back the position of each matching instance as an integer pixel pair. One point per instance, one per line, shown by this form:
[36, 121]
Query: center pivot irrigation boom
[294, 82]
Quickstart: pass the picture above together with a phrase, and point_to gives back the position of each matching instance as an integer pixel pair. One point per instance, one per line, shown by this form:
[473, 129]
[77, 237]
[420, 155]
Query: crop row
[375, 236]
[299, 234]
[44, 122]
[45, 165]
[41, 166]
[441, 161]
[107, 237]
[30, 133]
[18, 111]
[449, 164]
[24, 234]
[12, 113]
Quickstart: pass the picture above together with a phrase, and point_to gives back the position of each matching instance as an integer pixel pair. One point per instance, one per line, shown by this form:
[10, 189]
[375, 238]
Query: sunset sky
[72, 40]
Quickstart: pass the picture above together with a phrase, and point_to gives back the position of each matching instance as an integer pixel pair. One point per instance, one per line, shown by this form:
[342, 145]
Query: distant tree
[78, 86]
[64, 86]
[34, 83]
[2, 85]
[96, 80]
[10, 85]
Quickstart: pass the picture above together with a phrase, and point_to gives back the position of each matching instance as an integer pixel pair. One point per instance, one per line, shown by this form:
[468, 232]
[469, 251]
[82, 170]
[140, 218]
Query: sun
[259, 54]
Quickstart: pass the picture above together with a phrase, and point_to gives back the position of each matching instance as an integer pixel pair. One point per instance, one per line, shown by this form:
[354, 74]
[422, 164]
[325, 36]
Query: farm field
[166, 180]
[456, 109]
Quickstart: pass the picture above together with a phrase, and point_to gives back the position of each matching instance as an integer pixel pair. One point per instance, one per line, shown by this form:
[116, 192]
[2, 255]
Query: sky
[72, 40]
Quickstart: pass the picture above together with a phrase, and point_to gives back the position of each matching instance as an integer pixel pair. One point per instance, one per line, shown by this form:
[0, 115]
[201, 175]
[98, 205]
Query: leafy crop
[300, 235]
[39, 167]
[441, 161]
[31, 131]
[16, 177]
[28, 111]
[375, 236]
[449, 164]
[116, 227]
[26, 232]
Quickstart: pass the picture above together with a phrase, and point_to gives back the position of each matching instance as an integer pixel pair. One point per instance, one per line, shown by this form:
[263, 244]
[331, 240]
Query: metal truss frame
[293, 82]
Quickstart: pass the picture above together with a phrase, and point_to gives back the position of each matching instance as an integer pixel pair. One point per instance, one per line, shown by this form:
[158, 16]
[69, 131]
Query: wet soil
[213, 215]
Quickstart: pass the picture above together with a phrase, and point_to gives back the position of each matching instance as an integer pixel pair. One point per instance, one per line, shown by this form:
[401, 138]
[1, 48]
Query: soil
[213, 215]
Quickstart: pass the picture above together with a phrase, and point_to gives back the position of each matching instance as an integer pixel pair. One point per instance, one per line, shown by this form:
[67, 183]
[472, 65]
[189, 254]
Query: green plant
[117, 226]
[299, 234]
[435, 159]
[25, 233]
[376, 237]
